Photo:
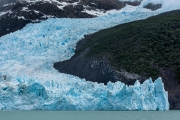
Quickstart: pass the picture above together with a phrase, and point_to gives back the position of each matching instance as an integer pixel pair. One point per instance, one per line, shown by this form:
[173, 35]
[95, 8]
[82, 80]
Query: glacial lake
[89, 115]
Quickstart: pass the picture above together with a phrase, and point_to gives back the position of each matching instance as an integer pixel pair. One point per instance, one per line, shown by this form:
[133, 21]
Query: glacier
[23, 93]
[27, 57]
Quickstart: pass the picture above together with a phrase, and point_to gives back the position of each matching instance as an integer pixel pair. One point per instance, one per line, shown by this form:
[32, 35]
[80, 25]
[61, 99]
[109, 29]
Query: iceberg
[27, 57]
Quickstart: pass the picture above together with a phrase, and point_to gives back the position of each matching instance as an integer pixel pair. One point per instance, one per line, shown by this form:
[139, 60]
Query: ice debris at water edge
[27, 57]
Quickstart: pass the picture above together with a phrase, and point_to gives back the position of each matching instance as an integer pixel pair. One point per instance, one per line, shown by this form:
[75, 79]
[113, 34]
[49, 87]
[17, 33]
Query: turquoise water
[89, 115]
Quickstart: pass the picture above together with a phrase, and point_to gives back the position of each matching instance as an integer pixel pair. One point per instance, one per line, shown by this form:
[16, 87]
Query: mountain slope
[137, 50]
[15, 14]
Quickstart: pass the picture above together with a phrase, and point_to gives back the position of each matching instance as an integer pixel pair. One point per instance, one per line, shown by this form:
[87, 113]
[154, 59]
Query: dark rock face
[108, 4]
[75, 12]
[47, 9]
[103, 4]
[10, 25]
[172, 87]
[174, 98]
[153, 7]
[95, 69]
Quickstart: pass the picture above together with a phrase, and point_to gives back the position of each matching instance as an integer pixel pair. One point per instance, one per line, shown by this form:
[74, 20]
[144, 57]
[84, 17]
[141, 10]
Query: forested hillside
[141, 47]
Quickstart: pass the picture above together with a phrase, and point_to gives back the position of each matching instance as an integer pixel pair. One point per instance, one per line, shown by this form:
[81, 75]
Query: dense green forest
[141, 47]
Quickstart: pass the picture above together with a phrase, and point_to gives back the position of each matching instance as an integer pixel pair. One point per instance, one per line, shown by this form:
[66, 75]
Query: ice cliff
[27, 57]
[24, 93]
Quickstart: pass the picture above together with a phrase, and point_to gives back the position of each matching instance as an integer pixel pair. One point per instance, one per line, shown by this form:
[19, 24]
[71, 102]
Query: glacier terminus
[23, 93]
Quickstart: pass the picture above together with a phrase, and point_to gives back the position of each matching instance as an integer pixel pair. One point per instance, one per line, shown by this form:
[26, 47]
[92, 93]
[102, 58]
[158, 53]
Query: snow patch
[21, 17]
[3, 13]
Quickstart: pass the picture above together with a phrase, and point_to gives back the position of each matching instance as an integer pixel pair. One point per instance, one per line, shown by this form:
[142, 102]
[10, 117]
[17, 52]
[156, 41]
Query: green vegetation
[141, 47]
